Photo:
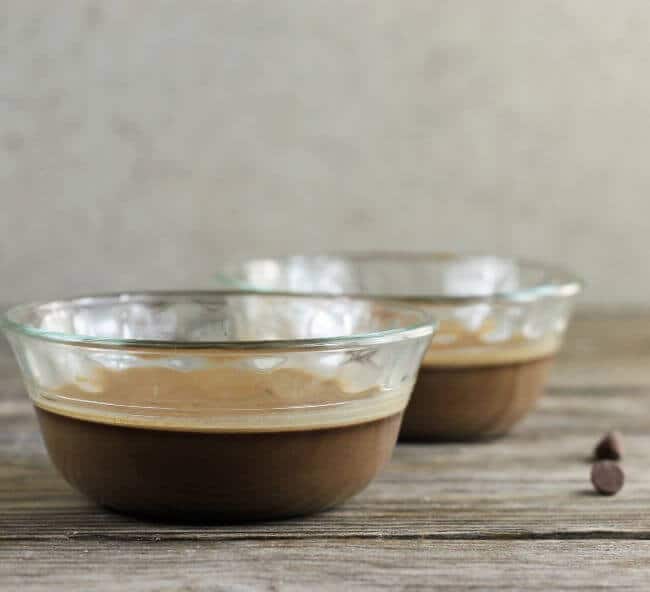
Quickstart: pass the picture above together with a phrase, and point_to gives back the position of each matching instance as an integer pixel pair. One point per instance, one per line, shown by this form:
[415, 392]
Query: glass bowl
[501, 323]
[215, 405]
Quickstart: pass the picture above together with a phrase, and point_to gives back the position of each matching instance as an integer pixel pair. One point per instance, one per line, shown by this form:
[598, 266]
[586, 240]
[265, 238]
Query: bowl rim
[564, 284]
[425, 327]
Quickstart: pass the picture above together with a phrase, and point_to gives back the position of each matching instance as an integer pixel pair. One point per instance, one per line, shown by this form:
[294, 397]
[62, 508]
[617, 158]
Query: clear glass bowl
[501, 323]
[218, 406]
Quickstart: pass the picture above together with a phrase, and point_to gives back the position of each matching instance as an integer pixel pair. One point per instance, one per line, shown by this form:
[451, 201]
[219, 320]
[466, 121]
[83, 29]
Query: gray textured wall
[142, 141]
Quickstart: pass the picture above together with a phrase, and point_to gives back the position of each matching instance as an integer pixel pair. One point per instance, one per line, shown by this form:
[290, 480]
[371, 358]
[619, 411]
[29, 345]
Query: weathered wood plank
[507, 514]
[531, 484]
[355, 565]
[605, 349]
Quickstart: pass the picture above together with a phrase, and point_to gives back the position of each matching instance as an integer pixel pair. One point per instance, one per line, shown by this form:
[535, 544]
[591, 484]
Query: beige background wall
[142, 141]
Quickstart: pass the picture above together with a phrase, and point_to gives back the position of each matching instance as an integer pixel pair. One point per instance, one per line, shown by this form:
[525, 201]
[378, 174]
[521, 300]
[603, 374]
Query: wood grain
[606, 349]
[508, 514]
[329, 565]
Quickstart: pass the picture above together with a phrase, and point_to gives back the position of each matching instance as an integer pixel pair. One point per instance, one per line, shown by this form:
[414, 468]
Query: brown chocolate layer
[183, 475]
[465, 403]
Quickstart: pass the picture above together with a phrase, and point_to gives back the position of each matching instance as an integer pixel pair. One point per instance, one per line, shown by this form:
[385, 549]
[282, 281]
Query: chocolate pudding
[218, 444]
[469, 389]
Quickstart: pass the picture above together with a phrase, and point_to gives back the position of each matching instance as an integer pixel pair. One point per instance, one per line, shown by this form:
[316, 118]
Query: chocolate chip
[607, 477]
[610, 447]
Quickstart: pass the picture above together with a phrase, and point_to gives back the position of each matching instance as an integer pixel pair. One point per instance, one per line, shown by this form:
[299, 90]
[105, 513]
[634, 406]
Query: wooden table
[509, 514]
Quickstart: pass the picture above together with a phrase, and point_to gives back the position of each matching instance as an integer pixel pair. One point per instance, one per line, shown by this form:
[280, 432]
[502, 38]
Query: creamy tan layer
[453, 348]
[218, 399]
